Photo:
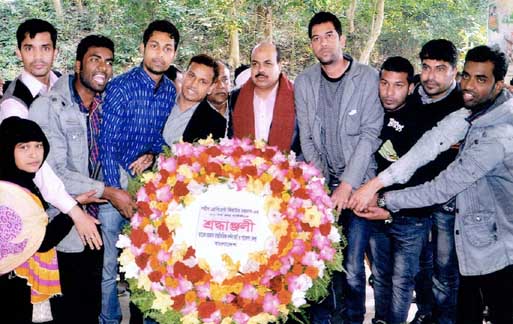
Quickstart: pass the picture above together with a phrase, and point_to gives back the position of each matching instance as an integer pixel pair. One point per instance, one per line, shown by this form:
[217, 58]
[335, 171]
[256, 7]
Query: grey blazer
[360, 121]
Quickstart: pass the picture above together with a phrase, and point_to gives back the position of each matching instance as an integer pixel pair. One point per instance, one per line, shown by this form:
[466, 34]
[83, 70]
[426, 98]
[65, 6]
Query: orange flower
[249, 171]
[284, 296]
[276, 186]
[190, 296]
[213, 167]
[213, 151]
[312, 272]
[179, 302]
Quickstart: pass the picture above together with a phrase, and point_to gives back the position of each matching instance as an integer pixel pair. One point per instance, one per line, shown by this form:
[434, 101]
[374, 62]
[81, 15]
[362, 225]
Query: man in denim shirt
[481, 180]
[137, 104]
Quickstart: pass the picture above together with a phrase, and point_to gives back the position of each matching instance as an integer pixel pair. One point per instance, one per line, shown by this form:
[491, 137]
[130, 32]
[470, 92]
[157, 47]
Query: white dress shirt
[263, 109]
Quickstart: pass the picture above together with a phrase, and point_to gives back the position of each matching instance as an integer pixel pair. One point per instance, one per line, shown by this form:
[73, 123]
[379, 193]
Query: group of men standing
[456, 211]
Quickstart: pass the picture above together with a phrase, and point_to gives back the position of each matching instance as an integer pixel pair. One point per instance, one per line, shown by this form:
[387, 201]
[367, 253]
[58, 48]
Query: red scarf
[283, 123]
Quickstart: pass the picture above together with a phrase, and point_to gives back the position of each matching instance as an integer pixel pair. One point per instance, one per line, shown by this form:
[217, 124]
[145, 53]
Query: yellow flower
[271, 203]
[143, 282]
[285, 196]
[126, 257]
[207, 141]
[232, 267]
[227, 320]
[178, 252]
[191, 318]
[260, 144]
[266, 178]
[171, 180]
[173, 222]
[203, 264]
[259, 257]
[147, 176]
[162, 302]
[304, 236]
[255, 186]
[188, 199]
[211, 179]
[279, 229]
[312, 217]
[262, 318]
[258, 161]
[283, 310]
[185, 170]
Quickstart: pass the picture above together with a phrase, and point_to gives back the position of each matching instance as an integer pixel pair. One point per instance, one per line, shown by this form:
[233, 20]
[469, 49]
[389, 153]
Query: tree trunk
[234, 59]
[377, 23]
[80, 6]
[58, 8]
[350, 15]
[268, 24]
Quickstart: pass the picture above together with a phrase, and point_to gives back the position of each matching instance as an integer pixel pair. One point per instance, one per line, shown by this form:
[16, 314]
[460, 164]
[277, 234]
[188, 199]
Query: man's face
[436, 77]
[37, 54]
[326, 43]
[222, 86]
[95, 70]
[265, 69]
[393, 89]
[159, 53]
[478, 84]
[198, 81]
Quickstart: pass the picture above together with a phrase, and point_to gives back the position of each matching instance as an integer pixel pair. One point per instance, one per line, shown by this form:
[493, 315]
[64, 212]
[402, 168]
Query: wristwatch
[383, 204]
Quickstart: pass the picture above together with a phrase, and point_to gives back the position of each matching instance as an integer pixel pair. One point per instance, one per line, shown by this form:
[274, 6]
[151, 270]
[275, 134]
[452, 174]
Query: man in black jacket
[192, 118]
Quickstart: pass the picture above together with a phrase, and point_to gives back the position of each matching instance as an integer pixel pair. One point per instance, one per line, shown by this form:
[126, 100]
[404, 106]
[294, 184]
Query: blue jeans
[445, 268]
[111, 224]
[396, 250]
[424, 281]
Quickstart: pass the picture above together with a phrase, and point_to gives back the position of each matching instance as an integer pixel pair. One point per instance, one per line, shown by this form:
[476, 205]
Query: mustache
[260, 74]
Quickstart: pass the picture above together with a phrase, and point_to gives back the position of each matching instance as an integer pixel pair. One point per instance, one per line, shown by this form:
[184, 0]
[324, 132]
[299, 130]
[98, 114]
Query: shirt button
[478, 218]
[457, 232]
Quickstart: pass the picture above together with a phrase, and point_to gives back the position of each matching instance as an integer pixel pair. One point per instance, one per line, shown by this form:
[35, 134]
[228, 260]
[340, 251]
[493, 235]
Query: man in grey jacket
[340, 118]
[481, 180]
[69, 115]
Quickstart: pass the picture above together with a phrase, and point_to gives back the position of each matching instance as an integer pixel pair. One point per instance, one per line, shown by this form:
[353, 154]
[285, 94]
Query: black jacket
[205, 121]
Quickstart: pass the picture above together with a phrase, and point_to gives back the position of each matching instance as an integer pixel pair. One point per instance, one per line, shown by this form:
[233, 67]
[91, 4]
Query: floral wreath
[171, 284]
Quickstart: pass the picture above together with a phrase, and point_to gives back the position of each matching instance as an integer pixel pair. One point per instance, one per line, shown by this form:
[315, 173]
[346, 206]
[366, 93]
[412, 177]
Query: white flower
[334, 235]
[250, 266]
[298, 298]
[304, 282]
[219, 274]
[123, 241]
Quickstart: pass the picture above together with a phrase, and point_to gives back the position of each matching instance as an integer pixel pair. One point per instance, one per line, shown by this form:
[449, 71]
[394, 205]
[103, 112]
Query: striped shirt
[134, 114]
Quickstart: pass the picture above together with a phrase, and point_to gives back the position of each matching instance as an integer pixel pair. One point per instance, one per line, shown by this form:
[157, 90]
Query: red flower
[155, 276]
[190, 252]
[276, 186]
[325, 229]
[213, 167]
[252, 309]
[298, 172]
[142, 260]
[213, 151]
[180, 189]
[301, 193]
[269, 153]
[249, 171]
[143, 209]
[163, 231]
[179, 302]
[206, 309]
[150, 188]
[138, 237]
[180, 268]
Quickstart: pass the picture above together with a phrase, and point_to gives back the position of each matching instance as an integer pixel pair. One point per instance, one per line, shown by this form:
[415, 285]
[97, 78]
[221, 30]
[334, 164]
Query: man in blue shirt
[136, 107]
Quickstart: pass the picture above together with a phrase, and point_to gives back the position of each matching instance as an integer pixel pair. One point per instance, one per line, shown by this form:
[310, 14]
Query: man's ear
[211, 88]
[343, 41]
[141, 49]
[499, 85]
[411, 87]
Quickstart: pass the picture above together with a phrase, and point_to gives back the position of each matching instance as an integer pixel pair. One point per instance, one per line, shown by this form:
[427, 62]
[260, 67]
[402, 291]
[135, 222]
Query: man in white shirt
[263, 108]
[37, 50]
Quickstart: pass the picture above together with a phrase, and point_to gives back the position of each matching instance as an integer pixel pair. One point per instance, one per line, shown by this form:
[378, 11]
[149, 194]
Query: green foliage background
[205, 24]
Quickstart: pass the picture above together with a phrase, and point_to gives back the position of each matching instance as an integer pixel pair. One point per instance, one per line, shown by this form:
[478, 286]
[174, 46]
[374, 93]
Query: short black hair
[493, 54]
[164, 26]
[207, 61]
[241, 68]
[322, 17]
[398, 64]
[93, 41]
[440, 50]
[172, 72]
[35, 26]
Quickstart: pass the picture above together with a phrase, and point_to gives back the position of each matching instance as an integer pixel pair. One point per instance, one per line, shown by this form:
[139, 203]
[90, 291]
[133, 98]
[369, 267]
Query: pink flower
[327, 253]
[310, 259]
[309, 171]
[164, 194]
[142, 195]
[189, 308]
[215, 317]
[203, 291]
[298, 247]
[240, 317]
[168, 164]
[271, 304]
[248, 292]
[182, 149]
